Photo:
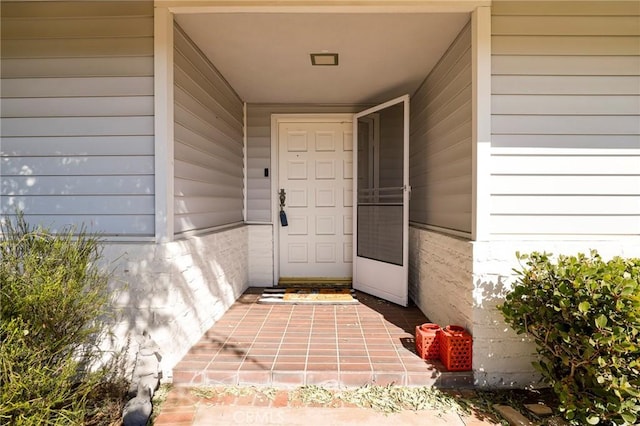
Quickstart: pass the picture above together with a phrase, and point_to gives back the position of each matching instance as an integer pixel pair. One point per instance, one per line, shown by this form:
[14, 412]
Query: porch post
[481, 121]
[163, 103]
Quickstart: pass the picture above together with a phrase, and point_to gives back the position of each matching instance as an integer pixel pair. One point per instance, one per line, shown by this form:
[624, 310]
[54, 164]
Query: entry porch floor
[334, 346]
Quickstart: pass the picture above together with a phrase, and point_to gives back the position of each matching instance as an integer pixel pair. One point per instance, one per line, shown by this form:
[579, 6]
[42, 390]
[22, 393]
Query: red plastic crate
[427, 341]
[456, 348]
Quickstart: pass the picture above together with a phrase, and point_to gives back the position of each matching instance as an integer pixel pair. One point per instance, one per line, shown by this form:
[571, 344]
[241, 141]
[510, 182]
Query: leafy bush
[52, 314]
[584, 315]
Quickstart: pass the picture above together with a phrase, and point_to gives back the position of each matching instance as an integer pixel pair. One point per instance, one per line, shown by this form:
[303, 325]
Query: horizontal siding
[78, 145]
[440, 142]
[567, 205]
[76, 9]
[77, 48]
[61, 87]
[113, 106]
[77, 126]
[63, 186]
[218, 205]
[587, 183]
[566, 85]
[563, 142]
[566, 26]
[77, 114]
[78, 204]
[208, 149]
[596, 65]
[190, 141]
[565, 118]
[565, 8]
[558, 225]
[567, 124]
[78, 166]
[565, 45]
[259, 150]
[121, 66]
[118, 225]
[560, 105]
[66, 28]
[565, 164]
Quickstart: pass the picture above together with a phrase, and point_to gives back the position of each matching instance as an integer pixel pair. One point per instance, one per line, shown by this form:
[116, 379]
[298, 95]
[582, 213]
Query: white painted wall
[176, 291]
[261, 255]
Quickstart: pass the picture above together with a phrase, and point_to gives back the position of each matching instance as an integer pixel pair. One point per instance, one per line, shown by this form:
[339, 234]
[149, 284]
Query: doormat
[308, 296]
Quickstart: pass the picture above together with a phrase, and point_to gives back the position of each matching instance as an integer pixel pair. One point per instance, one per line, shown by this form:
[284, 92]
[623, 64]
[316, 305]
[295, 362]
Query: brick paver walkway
[330, 345]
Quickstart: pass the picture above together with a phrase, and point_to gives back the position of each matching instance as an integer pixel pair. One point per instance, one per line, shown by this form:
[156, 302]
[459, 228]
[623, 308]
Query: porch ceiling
[265, 57]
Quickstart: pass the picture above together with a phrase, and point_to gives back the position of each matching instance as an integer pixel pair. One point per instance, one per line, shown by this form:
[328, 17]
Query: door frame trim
[276, 119]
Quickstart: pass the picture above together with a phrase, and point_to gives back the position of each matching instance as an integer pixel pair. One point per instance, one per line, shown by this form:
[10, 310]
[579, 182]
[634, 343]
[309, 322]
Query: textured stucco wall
[176, 290]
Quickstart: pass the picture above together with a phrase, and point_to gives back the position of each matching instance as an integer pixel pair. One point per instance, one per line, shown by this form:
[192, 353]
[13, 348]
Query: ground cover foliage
[584, 314]
[388, 399]
[54, 309]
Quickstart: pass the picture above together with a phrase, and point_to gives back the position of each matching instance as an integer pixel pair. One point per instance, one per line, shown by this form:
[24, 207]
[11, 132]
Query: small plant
[53, 309]
[584, 315]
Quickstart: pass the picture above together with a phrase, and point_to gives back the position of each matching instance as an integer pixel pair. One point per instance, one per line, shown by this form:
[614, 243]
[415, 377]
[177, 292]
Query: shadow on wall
[111, 197]
[175, 291]
[501, 357]
[489, 292]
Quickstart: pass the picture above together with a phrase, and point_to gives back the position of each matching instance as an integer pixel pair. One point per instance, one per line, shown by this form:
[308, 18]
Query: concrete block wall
[176, 290]
[456, 281]
[440, 269]
[261, 255]
[501, 358]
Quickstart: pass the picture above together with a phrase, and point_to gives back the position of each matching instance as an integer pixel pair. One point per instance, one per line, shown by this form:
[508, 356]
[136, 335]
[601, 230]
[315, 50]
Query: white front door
[315, 174]
[381, 219]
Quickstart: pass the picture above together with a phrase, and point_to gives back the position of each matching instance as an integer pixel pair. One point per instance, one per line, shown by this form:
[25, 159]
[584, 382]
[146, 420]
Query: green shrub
[52, 314]
[584, 315]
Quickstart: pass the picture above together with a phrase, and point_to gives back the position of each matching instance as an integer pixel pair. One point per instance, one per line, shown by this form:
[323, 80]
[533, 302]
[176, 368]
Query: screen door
[381, 199]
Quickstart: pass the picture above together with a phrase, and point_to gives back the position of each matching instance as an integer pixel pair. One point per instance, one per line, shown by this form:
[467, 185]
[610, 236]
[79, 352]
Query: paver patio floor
[329, 345]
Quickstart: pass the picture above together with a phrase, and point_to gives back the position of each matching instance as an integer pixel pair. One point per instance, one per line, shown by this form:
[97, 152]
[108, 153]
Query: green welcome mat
[308, 296]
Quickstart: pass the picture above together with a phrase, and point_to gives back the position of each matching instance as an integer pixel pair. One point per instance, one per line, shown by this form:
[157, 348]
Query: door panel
[382, 210]
[315, 170]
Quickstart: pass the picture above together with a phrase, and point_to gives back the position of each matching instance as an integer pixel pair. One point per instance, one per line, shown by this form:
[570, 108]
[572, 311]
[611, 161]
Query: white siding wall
[566, 119]
[440, 152]
[565, 163]
[259, 151]
[77, 114]
[209, 142]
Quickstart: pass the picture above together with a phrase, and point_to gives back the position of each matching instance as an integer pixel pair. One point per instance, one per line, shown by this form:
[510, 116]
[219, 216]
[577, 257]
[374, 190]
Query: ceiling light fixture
[324, 59]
